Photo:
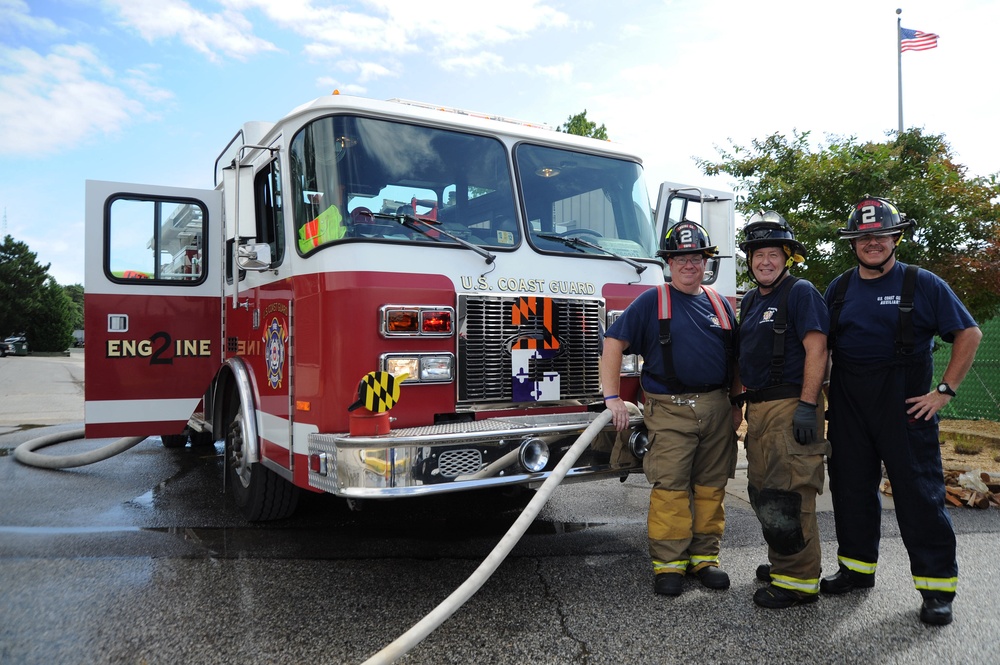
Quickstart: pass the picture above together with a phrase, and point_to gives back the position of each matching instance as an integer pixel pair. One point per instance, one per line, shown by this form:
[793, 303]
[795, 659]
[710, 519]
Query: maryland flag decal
[378, 392]
[528, 309]
[536, 341]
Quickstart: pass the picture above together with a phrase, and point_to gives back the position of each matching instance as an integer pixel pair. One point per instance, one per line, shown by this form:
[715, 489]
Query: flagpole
[899, 64]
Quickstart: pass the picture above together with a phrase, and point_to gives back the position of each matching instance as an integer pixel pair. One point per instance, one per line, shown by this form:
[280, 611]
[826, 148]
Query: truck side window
[688, 208]
[269, 214]
[155, 239]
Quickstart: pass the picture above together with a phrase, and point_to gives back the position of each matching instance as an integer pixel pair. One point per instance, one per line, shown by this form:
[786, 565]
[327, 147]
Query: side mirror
[254, 256]
[711, 270]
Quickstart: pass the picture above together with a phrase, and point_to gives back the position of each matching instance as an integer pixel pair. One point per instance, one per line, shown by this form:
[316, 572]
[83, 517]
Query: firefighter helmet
[769, 229]
[874, 216]
[688, 238]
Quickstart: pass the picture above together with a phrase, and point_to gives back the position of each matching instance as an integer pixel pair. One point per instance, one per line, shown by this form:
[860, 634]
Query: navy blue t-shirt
[805, 312]
[699, 350]
[869, 319]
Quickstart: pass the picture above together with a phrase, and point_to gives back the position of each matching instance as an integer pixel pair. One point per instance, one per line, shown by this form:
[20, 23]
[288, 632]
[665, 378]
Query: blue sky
[151, 91]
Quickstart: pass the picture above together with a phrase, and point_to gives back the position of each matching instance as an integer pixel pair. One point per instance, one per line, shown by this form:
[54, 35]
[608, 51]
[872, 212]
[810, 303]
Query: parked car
[3, 349]
[17, 345]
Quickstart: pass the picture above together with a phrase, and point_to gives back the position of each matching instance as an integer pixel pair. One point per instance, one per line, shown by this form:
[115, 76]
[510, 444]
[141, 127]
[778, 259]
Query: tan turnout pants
[692, 454]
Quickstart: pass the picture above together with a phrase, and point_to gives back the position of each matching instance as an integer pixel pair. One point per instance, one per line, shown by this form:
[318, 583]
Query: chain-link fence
[979, 396]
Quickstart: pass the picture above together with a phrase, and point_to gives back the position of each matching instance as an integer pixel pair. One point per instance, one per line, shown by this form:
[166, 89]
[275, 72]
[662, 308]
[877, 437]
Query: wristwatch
[945, 389]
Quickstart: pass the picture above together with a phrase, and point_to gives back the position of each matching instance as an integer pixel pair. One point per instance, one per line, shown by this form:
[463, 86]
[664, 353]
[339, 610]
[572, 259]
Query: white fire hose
[25, 454]
[399, 648]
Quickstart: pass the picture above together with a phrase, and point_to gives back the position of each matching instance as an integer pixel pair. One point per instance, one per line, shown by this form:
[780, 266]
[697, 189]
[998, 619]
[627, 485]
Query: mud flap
[779, 512]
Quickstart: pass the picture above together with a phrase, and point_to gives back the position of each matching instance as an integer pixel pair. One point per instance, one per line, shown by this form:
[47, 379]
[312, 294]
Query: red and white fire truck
[377, 299]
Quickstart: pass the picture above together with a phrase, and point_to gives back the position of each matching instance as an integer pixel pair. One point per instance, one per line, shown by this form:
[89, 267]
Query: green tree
[32, 302]
[579, 125]
[75, 294]
[21, 278]
[958, 217]
[50, 326]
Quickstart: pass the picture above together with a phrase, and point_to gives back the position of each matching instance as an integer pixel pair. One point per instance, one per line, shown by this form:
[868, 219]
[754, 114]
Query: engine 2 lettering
[160, 348]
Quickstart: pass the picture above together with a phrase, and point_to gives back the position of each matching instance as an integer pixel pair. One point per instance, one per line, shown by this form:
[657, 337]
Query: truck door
[152, 302]
[714, 210]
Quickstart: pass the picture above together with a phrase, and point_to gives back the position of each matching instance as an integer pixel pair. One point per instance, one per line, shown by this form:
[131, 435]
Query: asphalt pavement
[142, 559]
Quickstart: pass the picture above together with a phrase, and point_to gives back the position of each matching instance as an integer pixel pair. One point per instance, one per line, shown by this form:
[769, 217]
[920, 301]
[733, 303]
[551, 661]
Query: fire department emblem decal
[275, 337]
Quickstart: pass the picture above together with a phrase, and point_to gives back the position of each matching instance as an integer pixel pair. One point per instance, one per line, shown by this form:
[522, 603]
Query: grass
[968, 445]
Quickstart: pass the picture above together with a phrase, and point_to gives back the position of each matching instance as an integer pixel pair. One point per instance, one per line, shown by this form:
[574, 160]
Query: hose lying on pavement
[25, 454]
[398, 648]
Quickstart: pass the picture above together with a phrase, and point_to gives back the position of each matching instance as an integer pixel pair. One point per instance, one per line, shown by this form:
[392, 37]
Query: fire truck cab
[378, 299]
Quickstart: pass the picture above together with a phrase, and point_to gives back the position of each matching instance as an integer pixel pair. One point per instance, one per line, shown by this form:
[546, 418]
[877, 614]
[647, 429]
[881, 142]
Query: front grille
[452, 463]
[487, 332]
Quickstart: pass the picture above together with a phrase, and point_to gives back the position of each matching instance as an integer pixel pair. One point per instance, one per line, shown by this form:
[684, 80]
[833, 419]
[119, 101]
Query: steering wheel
[579, 232]
[365, 225]
[361, 215]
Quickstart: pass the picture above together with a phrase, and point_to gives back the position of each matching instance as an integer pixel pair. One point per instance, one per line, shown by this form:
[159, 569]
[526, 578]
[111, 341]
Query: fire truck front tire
[259, 493]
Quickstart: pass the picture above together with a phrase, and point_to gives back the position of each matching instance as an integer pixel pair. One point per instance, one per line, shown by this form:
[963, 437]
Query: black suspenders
[905, 339]
[666, 342]
[778, 329]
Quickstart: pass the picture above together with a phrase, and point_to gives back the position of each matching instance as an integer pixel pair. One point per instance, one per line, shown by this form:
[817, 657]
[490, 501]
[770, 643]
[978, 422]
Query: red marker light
[435, 321]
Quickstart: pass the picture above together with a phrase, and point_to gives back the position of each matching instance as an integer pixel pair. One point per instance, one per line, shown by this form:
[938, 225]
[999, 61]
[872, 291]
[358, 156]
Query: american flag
[915, 40]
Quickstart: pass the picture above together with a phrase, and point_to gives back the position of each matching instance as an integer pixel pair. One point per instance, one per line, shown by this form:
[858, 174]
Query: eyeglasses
[696, 260]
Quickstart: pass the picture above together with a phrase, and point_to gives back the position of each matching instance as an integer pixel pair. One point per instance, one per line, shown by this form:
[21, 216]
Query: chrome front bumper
[455, 457]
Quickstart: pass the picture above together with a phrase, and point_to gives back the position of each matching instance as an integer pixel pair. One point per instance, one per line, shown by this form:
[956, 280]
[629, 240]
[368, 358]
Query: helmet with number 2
[688, 238]
[874, 216]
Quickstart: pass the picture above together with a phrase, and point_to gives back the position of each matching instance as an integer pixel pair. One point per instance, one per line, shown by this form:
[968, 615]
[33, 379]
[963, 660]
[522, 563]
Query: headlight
[437, 368]
[421, 367]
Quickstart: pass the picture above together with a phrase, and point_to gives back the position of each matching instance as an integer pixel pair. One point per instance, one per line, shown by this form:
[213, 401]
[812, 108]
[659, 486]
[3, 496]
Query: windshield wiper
[578, 242]
[412, 222]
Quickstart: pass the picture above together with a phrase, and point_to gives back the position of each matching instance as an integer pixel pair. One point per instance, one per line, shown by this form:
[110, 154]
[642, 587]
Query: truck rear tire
[174, 440]
[201, 439]
[259, 493]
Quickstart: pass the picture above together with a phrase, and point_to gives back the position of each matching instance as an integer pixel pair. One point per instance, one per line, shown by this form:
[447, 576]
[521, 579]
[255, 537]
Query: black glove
[804, 423]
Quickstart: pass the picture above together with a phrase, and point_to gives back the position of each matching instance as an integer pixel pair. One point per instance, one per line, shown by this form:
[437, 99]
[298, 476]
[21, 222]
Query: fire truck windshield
[599, 199]
[358, 177]
[354, 177]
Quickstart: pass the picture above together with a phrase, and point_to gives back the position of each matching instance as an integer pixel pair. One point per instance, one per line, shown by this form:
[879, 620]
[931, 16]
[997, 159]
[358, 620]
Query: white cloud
[17, 15]
[49, 103]
[228, 33]
[329, 84]
[561, 72]
[480, 63]
[459, 25]
[332, 30]
[372, 70]
[138, 80]
[367, 71]
[455, 28]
